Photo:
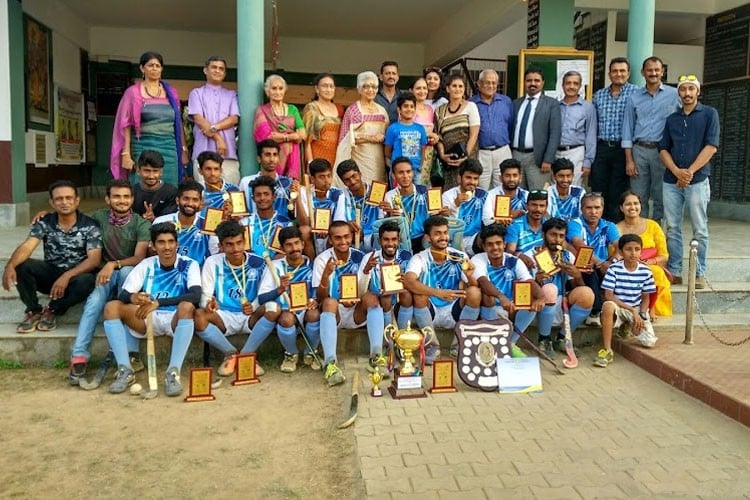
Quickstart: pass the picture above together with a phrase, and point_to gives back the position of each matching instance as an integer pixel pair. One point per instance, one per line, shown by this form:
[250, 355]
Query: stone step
[718, 298]
[725, 269]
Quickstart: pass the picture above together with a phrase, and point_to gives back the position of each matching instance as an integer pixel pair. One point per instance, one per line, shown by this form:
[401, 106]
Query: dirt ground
[276, 439]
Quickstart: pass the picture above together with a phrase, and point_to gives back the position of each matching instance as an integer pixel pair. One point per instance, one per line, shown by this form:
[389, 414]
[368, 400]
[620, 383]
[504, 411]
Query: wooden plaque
[522, 297]
[434, 200]
[545, 263]
[442, 377]
[275, 245]
[348, 288]
[245, 373]
[298, 297]
[239, 203]
[322, 220]
[246, 233]
[583, 257]
[391, 282]
[214, 217]
[377, 193]
[502, 207]
[200, 385]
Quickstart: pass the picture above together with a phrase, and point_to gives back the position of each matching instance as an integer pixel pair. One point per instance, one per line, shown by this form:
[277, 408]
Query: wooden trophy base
[246, 381]
[444, 390]
[406, 387]
[193, 399]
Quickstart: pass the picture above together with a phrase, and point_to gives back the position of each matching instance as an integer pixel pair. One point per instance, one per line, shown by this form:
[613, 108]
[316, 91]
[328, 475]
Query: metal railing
[470, 67]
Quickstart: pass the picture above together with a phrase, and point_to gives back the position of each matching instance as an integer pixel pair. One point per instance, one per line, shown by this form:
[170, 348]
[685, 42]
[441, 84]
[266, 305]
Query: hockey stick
[572, 360]
[101, 374]
[541, 353]
[153, 386]
[354, 404]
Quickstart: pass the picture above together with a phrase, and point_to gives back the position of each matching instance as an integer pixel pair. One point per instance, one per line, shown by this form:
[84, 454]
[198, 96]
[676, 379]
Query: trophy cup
[407, 380]
[376, 377]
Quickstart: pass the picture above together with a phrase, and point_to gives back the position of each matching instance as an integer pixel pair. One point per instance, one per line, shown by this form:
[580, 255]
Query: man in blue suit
[536, 131]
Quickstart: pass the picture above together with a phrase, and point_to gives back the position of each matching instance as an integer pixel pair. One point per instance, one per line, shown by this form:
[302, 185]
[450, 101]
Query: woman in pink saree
[282, 123]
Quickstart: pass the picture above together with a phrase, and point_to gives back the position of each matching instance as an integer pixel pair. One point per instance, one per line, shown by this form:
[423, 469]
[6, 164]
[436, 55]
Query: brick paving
[616, 432]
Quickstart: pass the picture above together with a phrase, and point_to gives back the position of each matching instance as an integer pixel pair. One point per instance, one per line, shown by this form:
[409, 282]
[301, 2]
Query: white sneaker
[593, 320]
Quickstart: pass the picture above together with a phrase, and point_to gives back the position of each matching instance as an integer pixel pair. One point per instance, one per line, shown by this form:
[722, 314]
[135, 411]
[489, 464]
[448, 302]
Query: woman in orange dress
[322, 119]
[654, 253]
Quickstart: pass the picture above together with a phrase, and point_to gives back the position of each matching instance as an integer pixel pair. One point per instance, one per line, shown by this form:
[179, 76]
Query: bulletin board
[554, 63]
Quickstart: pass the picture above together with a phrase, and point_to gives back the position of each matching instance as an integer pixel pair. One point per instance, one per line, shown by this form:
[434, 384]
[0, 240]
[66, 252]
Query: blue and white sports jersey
[226, 283]
[215, 199]
[517, 202]
[605, 234]
[568, 208]
[163, 283]
[347, 205]
[628, 286]
[501, 277]
[351, 266]
[445, 276]
[262, 231]
[192, 243]
[331, 201]
[558, 279]
[525, 238]
[282, 190]
[402, 259]
[297, 274]
[413, 208]
[469, 211]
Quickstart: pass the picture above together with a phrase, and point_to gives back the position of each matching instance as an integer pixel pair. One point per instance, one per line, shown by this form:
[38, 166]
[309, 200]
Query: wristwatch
[213, 129]
[643, 315]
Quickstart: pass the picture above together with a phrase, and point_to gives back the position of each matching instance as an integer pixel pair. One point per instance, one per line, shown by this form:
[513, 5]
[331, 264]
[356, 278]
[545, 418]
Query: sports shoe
[593, 320]
[545, 344]
[604, 358]
[454, 351]
[677, 280]
[646, 338]
[172, 385]
[29, 323]
[516, 352]
[432, 353]
[700, 282]
[77, 370]
[47, 322]
[136, 363]
[289, 364]
[227, 366]
[312, 361]
[334, 375]
[125, 378]
[560, 346]
[259, 369]
[379, 363]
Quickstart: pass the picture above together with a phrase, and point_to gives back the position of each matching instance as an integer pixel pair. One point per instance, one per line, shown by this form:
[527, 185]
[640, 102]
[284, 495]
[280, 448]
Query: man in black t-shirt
[152, 196]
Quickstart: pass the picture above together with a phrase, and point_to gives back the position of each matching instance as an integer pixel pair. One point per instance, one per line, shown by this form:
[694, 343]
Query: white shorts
[162, 323]
[346, 318]
[646, 337]
[235, 322]
[443, 317]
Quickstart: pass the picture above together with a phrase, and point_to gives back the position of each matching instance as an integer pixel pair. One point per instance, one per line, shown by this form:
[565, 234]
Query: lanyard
[242, 284]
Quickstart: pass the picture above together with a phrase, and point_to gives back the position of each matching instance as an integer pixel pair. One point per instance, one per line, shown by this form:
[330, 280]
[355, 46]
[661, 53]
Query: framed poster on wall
[38, 58]
[70, 127]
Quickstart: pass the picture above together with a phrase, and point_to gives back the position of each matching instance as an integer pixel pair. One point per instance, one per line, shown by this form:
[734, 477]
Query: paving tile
[600, 491]
[567, 492]
[378, 486]
[451, 470]
[472, 494]
[400, 472]
[521, 492]
[434, 484]
[426, 495]
[434, 459]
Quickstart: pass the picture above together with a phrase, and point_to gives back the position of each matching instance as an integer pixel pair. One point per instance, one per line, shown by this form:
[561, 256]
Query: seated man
[564, 199]
[441, 279]
[496, 271]
[72, 253]
[229, 305]
[370, 279]
[125, 236]
[268, 161]
[167, 286]
[555, 287]
[408, 201]
[510, 180]
[466, 202]
[264, 222]
[191, 241]
[356, 193]
[627, 286]
[323, 197]
[328, 268]
[525, 232]
[152, 196]
[215, 187]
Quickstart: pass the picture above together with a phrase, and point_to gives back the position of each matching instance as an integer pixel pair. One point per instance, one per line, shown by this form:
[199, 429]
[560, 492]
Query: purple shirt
[214, 103]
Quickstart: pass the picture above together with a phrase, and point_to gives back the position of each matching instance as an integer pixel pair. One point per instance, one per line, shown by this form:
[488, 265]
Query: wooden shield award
[200, 385]
[349, 291]
[522, 297]
[434, 200]
[214, 216]
[502, 207]
[377, 193]
[239, 204]
[322, 220]
[583, 257]
[245, 371]
[545, 262]
[391, 278]
[480, 344]
[298, 296]
[442, 377]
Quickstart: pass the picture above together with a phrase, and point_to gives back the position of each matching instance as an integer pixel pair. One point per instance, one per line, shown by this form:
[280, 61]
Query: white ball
[135, 389]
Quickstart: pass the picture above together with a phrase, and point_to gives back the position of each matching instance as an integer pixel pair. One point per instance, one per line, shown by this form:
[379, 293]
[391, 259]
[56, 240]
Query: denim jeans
[93, 309]
[695, 197]
[648, 182]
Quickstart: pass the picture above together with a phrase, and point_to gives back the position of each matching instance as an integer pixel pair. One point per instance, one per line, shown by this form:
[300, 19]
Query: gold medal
[225, 196]
[469, 195]
[290, 207]
[340, 263]
[465, 265]
[243, 301]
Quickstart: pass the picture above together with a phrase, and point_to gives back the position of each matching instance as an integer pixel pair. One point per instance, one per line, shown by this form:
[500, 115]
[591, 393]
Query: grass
[7, 364]
[59, 364]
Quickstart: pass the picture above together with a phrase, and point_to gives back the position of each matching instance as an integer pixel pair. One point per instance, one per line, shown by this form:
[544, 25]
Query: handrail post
[692, 266]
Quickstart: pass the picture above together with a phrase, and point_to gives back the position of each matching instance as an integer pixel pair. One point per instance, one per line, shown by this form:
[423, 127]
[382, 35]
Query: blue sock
[183, 334]
[216, 339]
[488, 313]
[545, 318]
[133, 342]
[422, 316]
[577, 316]
[469, 312]
[328, 336]
[260, 332]
[388, 317]
[375, 326]
[313, 335]
[288, 338]
[405, 314]
[524, 319]
[116, 336]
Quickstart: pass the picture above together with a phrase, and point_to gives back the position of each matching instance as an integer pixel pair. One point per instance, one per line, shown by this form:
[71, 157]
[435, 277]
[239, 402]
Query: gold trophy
[397, 202]
[376, 377]
[405, 383]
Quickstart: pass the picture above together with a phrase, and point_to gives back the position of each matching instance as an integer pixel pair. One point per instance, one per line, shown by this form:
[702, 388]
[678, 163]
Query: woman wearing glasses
[322, 119]
[363, 130]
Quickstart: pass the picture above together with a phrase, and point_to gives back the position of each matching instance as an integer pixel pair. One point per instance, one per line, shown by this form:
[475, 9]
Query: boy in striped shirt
[627, 286]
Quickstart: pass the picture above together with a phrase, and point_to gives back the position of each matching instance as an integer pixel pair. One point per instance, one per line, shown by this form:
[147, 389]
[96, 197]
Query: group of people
[385, 153]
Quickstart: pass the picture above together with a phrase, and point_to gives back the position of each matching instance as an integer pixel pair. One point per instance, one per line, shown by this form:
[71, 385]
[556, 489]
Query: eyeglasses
[369, 86]
[542, 192]
[687, 78]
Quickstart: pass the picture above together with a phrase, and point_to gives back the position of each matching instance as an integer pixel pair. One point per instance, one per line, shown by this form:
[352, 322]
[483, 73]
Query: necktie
[524, 123]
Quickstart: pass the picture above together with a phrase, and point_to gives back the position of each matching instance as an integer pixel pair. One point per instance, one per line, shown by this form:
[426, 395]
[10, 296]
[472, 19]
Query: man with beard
[466, 202]
[229, 303]
[125, 238]
[324, 197]
[441, 280]
[564, 199]
[264, 222]
[555, 286]
[166, 286]
[152, 197]
[356, 193]
[192, 242]
[328, 268]
[294, 267]
[510, 179]
[370, 279]
[526, 232]
[268, 160]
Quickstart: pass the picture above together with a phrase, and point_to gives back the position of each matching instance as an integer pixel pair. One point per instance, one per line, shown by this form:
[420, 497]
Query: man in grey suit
[536, 131]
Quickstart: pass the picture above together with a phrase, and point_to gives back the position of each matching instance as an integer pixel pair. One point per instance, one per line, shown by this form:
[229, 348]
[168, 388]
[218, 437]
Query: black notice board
[726, 48]
[532, 23]
[595, 39]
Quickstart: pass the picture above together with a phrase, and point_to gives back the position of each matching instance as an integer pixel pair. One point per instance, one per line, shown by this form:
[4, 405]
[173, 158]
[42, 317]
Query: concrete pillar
[250, 50]
[640, 36]
[14, 209]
